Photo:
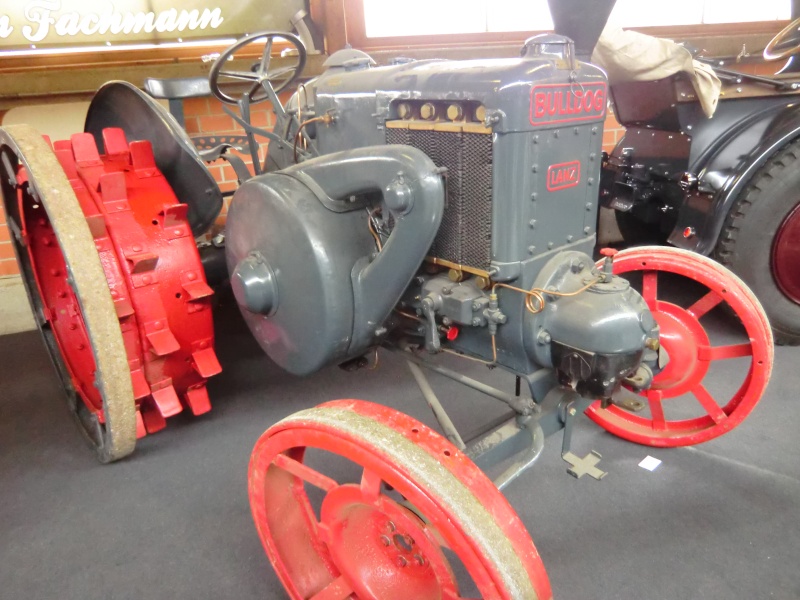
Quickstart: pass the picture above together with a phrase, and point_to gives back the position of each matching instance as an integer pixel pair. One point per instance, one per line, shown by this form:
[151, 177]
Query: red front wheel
[681, 407]
[419, 519]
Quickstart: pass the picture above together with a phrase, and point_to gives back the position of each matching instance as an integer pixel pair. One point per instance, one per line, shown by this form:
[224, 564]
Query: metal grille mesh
[465, 236]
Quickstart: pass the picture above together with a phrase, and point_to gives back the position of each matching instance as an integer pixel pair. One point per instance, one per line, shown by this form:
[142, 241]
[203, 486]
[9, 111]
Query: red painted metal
[153, 271]
[612, 252]
[368, 542]
[786, 255]
[691, 353]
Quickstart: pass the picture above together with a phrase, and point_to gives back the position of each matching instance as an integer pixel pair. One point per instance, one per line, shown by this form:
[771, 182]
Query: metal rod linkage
[523, 406]
[439, 412]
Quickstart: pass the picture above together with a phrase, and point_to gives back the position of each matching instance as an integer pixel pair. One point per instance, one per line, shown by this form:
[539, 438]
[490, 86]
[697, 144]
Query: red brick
[192, 125]
[195, 106]
[8, 267]
[611, 121]
[215, 107]
[228, 174]
[5, 235]
[228, 186]
[263, 118]
[216, 124]
[609, 139]
[6, 250]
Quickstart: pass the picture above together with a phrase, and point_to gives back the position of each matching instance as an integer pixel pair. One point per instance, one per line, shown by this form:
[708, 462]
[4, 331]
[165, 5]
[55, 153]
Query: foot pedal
[584, 466]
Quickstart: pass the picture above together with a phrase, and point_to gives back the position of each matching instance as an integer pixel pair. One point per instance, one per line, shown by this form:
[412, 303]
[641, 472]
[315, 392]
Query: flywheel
[114, 279]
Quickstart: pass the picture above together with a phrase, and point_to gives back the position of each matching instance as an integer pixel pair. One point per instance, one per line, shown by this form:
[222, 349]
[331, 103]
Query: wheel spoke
[263, 67]
[650, 288]
[724, 352]
[241, 75]
[708, 402]
[253, 90]
[338, 589]
[656, 409]
[278, 72]
[704, 304]
[370, 485]
[305, 473]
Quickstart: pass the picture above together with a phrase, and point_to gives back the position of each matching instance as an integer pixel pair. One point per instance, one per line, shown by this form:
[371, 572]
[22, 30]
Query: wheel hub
[380, 547]
[682, 336]
[786, 256]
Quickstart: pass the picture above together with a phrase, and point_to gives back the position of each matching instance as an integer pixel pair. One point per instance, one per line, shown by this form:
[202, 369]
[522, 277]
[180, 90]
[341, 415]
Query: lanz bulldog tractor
[427, 208]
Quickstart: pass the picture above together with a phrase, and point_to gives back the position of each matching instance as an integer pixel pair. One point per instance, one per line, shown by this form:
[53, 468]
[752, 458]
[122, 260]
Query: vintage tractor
[725, 186]
[433, 209]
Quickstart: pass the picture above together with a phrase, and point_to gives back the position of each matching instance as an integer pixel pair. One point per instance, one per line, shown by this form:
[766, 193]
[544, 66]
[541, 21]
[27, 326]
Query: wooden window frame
[352, 16]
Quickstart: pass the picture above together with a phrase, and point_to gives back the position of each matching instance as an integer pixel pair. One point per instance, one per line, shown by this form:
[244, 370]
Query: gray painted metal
[608, 318]
[544, 185]
[317, 244]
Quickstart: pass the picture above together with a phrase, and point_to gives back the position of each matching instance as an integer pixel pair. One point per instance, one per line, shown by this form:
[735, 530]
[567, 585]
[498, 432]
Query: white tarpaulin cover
[631, 56]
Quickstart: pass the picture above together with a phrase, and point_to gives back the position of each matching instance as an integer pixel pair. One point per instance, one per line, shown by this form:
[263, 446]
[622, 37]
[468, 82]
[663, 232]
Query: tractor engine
[445, 205]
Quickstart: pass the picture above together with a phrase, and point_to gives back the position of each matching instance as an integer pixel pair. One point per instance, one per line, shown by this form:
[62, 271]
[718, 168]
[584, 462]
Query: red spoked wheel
[681, 410]
[419, 521]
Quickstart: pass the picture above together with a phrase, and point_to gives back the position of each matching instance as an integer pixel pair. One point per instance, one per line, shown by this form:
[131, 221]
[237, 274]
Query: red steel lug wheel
[67, 288]
[417, 513]
[681, 409]
[114, 278]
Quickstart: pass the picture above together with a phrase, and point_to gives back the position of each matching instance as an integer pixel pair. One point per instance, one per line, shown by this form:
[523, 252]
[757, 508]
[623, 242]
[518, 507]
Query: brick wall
[205, 116]
[612, 132]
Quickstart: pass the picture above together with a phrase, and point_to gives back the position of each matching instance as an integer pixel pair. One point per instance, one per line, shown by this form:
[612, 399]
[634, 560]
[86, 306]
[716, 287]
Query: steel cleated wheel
[419, 519]
[67, 290]
[114, 279]
[681, 408]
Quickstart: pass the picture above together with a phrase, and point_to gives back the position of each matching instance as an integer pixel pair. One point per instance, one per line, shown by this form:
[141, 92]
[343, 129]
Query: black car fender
[727, 150]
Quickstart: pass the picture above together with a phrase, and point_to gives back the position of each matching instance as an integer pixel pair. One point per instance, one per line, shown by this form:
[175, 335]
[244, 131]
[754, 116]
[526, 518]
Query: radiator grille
[465, 236]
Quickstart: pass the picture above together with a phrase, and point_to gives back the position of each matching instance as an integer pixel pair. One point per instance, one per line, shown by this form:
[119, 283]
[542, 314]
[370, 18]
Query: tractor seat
[175, 91]
[121, 104]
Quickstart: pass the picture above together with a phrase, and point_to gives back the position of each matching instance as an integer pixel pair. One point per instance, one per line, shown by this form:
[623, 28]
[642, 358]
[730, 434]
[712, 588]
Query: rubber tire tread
[755, 218]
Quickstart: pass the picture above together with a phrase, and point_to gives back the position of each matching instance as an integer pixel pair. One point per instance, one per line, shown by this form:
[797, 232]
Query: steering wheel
[786, 43]
[260, 75]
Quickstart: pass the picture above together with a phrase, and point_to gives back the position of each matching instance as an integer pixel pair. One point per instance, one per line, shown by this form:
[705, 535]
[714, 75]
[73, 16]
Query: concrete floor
[720, 521]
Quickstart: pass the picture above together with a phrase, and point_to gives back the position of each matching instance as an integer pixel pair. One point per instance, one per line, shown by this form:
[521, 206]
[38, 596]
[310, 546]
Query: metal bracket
[578, 467]
[584, 466]
[627, 400]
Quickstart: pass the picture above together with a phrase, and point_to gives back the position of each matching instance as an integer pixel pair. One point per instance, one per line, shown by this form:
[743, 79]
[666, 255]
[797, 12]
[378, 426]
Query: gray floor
[719, 521]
